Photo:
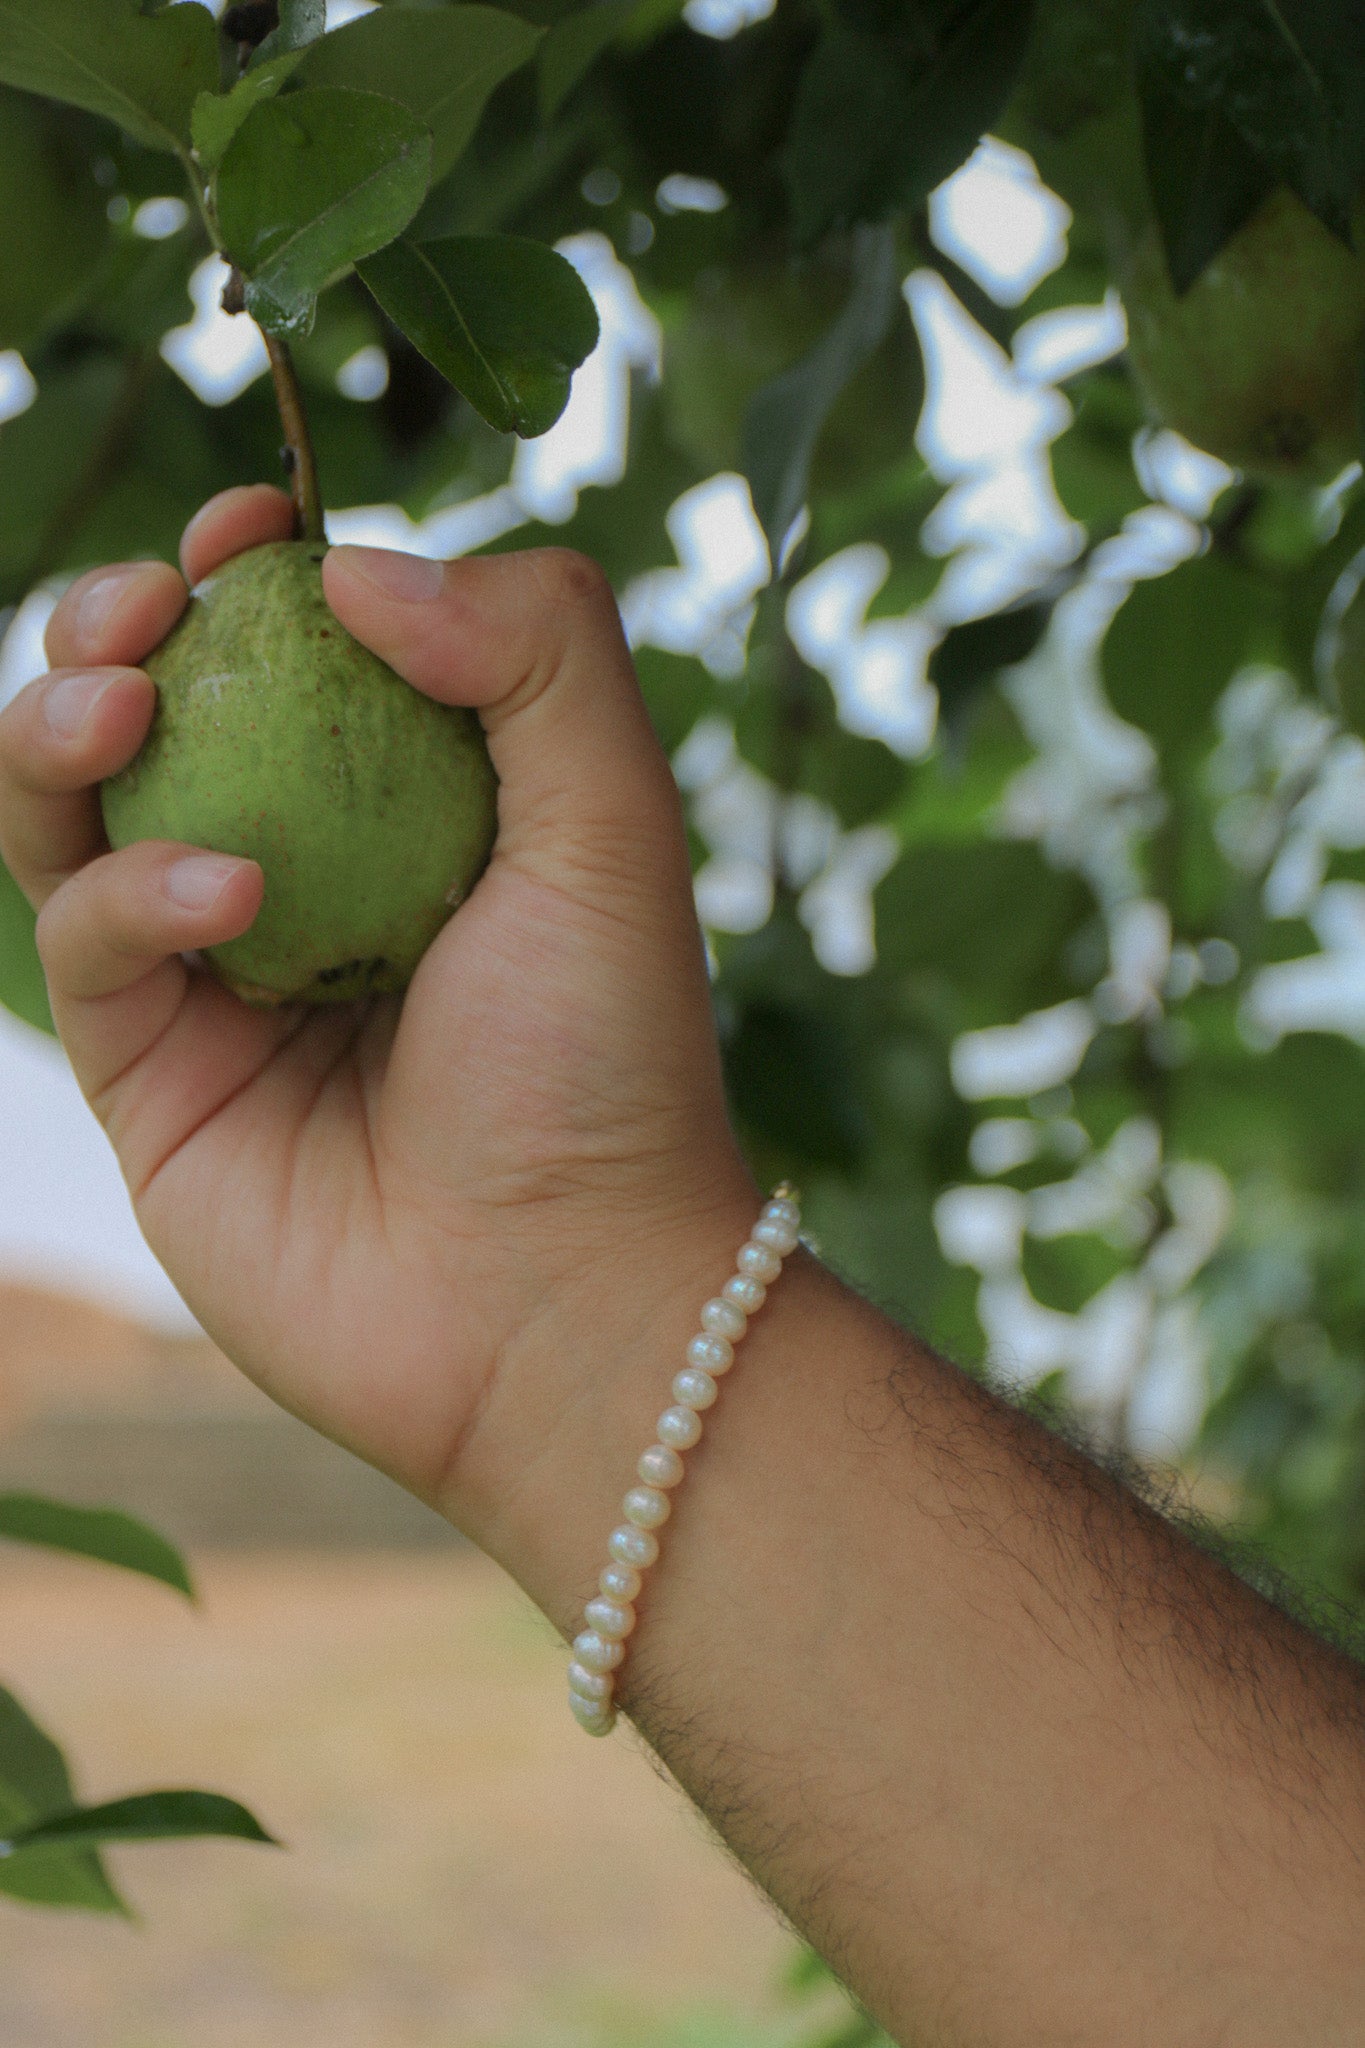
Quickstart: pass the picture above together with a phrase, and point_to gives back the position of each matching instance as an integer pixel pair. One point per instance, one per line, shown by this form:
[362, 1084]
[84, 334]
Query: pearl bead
[747, 1294]
[595, 1652]
[760, 1261]
[659, 1466]
[598, 1720]
[590, 1685]
[720, 1318]
[633, 1546]
[647, 1506]
[776, 1233]
[679, 1427]
[693, 1389]
[711, 1354]
[611, 1618]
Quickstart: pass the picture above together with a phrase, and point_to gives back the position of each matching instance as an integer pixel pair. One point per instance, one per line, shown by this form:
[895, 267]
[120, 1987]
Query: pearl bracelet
[599, 1650]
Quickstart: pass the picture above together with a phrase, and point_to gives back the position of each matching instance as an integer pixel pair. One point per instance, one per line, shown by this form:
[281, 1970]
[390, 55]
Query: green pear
[370, 807]
[1258, 361]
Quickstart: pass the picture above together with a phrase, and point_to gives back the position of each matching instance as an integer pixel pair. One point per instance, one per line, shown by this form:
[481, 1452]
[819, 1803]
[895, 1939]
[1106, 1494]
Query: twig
[299, 456]
[299, 460]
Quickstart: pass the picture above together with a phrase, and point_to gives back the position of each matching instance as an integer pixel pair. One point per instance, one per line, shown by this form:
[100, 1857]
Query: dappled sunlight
[998, 220]
[1039, 1052]
[1052, 347]
[876, 667]
[938, 591]
[1322, 991]
[704, 606]
[587, 445]
[725, 18]
[17, 388]
[22, 657]
[979, 411]
[218, 354]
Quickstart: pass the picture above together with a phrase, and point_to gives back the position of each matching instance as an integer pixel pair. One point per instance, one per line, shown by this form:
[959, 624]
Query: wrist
[575, 1395]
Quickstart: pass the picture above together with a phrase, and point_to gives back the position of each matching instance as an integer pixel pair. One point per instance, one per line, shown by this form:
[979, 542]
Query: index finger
[112, 617]
[115, 616]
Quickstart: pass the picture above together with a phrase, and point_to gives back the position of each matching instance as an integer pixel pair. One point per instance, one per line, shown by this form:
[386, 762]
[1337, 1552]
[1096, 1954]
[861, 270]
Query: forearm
[1022, 1762]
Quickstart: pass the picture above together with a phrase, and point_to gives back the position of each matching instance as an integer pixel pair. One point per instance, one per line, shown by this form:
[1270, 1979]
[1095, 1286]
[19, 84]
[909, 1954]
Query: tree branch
[298, 443]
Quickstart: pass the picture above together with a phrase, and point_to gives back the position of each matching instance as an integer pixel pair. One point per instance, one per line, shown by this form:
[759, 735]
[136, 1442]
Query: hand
[423, 1225]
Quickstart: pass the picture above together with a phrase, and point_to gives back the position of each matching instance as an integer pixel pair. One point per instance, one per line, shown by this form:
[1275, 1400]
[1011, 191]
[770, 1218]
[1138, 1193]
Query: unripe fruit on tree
[1259, 361]
[370, 807]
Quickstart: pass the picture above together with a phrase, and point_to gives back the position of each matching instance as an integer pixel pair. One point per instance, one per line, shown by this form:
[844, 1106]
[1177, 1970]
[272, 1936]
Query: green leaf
[141, 288]
[572, 47]
[111, 458]
[30, 1762]
[23, 985]
[1286, 78]
[807, 1970]
[440, 64]
[1067, 1272]
[785, 416]
[677, 689]
[301, 23]
[53, 224]
[142, 70]
[876, 127]
[218, 116]
[147, 1817]
[44, 453]
[789, 1076]
[33, 1781]
[506, 320]
[309, 185]
[1092, 462]
[788, 727]
[1176, 642]
[987, 918]
[971, 655]
[1205, 181]
[622, 526]
[103, 1533]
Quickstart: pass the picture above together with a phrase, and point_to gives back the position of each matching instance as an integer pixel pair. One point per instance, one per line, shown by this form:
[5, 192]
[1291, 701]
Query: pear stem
[303, 468]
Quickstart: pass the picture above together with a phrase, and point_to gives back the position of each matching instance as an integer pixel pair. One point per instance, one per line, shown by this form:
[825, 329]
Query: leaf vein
[105, 86]
[279, 257]
[503, 389]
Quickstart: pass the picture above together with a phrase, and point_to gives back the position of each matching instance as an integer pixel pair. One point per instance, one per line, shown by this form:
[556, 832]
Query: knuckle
[93, 910]
[568, 578]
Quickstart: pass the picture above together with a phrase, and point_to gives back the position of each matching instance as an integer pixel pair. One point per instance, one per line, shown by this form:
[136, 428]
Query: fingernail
[197, 882]
[412, 579]
[69, 700]
[98, 602]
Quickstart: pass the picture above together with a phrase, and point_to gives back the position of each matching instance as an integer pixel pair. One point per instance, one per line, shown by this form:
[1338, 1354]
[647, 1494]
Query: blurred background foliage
[1027, 791]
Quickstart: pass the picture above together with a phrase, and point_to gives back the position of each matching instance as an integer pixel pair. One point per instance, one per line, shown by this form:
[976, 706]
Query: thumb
[533, 642]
